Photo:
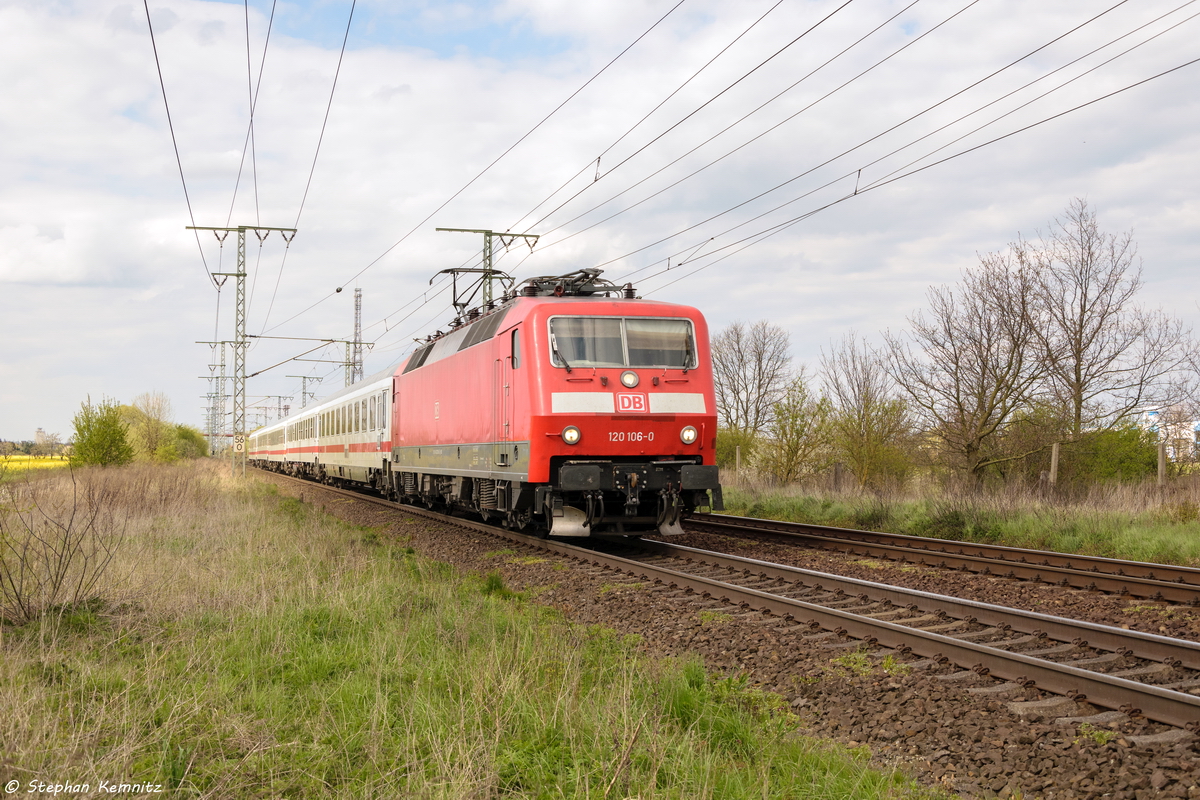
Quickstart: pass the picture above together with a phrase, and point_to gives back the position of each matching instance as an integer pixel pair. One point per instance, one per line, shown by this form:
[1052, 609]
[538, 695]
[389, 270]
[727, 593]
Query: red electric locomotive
[571, 407]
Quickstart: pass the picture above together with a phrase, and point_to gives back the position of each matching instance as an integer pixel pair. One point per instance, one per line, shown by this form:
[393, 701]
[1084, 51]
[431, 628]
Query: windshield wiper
[557, 352]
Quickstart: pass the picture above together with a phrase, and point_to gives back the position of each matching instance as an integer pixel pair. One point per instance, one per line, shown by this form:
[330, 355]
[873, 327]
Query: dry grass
[1132, 521]
[242, 644]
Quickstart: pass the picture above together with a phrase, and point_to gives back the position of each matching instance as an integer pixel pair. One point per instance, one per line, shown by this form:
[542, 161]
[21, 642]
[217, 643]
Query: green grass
[1126, 525]
[255, 647]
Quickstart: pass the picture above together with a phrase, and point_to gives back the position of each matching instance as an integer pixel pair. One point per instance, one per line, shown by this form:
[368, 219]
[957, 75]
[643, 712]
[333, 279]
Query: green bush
[728, 440]
[101, 437]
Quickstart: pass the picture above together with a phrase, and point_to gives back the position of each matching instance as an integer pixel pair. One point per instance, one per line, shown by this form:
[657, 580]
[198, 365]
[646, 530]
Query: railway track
[1126, 671]
[1162, 582]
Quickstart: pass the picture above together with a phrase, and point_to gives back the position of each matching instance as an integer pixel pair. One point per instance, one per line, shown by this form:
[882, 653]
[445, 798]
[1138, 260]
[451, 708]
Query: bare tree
[1106, 357]
[870, 425]
[47, 445]
[973, 362]
[151, 424]
[750, 370]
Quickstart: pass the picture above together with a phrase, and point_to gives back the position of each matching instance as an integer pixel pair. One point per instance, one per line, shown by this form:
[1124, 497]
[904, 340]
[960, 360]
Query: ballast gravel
[968, 734]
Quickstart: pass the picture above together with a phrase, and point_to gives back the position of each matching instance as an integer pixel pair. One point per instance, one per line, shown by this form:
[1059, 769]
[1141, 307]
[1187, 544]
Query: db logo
[631, 402]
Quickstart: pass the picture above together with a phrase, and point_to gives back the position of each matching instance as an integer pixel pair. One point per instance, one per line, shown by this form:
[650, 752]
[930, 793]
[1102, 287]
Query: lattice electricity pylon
[239, 336]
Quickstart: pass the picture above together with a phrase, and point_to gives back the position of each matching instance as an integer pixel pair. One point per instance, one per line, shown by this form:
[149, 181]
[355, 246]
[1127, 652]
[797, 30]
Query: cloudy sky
[710, 141]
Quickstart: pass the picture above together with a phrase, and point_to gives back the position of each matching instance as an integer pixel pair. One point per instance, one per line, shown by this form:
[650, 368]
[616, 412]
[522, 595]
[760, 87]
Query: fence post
[1162, 465]
[1053, 466]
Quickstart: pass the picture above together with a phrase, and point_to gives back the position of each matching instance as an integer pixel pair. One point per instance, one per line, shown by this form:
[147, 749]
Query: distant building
[39, 437]
[1177, 428]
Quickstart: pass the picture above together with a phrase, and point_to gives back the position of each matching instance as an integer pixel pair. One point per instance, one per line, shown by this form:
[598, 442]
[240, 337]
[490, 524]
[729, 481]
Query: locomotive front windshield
[617, 342]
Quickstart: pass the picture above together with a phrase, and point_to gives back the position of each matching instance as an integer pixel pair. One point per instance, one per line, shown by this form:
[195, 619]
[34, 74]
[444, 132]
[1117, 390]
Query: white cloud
[106, 293]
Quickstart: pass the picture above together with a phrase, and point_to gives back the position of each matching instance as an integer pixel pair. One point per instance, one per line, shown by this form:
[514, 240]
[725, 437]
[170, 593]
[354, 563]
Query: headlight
[571, 435]
[688, 435]
[629, 379]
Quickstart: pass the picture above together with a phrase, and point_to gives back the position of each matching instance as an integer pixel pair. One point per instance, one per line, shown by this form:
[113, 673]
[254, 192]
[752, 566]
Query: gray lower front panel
[502, 461]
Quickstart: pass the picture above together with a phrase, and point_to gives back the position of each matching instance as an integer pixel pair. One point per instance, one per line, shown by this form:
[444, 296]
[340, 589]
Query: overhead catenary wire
[707, 239]
[246, 145]
[780, 227]
[806, 108]
[975, 83]
[312, 170]
[484, 171]
[649, 113]
[742, 119]
[700, 108]
[175, 144]
[896, 126]
[673, 93]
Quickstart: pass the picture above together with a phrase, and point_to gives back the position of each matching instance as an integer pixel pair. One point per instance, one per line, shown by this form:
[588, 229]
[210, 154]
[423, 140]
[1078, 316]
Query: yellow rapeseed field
[20, 461]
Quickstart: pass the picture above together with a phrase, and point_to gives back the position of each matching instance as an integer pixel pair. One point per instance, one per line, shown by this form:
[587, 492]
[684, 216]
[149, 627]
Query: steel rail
[1149, 646]
[1166, 582]
[1163, 705]
[1154, 702]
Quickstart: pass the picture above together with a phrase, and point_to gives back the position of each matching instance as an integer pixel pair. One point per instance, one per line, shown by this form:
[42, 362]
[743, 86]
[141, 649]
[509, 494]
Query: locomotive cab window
[516, 348]
[614, 342]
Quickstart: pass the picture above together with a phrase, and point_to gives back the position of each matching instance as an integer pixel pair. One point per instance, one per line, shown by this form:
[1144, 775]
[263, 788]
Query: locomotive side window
[614, 342]
[516, 348]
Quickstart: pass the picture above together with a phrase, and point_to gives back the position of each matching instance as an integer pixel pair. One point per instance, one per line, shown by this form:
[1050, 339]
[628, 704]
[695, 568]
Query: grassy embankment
[1128, 522]
[249, 645]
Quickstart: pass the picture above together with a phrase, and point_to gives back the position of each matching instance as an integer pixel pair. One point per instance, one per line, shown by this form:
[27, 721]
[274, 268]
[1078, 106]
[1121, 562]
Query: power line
[778, 228]
[702, 106]
[890, 129]
[708, 239]
[557, 108]
[672, 94]
[253, 103]
[637, 124]
[313, 169]
[174, 143]
[774, 127]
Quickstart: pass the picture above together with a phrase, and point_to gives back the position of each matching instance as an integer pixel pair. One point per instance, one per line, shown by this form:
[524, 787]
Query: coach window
[516, 348]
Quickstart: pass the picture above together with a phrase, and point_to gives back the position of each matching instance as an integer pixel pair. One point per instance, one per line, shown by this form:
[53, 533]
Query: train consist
[569, 407]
